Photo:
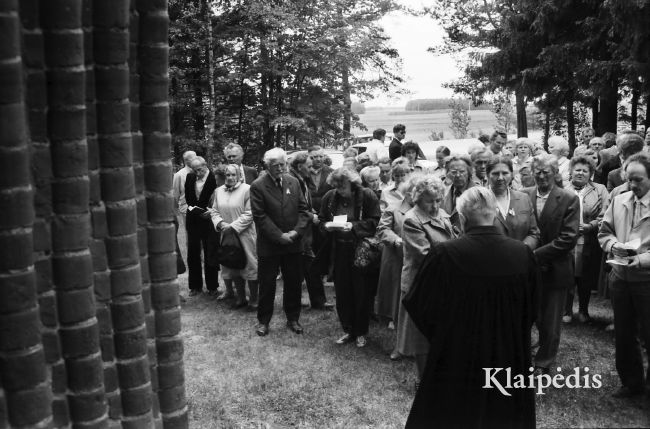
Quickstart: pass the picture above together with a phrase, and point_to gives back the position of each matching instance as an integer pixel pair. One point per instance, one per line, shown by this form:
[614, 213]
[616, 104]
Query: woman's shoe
[583, 318]
[240, 304]
[567, 318]
[344, 339]
[361, 341]
[395, 355]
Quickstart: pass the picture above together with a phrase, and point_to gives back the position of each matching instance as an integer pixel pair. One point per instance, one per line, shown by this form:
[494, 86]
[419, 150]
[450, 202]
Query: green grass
[236, 379]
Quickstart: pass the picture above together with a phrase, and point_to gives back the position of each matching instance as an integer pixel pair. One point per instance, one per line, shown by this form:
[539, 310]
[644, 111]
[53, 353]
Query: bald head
[188, 156]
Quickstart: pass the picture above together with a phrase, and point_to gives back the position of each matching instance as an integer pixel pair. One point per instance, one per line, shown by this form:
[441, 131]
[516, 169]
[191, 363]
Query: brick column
[101, 273]
[71, 259]
[153, 56]
[36, 100]
[138, 170]
[25, 396]
[111, 19]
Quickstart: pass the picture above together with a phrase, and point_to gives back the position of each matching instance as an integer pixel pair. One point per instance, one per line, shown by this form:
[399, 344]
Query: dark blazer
[202, 201]
[558, 224]
[522, 225]
[278, 211]
[614, 179]
[318, 190]
[602, 174]
[250, 174]
[395, 149]
[449, 206]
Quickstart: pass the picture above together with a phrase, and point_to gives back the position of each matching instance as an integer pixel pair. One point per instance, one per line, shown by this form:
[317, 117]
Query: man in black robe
[475, 318]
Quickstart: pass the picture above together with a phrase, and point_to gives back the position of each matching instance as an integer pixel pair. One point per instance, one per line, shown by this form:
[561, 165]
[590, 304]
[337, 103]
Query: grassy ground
[236, 379]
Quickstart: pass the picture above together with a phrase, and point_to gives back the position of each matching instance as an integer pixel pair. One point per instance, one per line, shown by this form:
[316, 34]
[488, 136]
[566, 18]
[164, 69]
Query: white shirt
[178, 188]
[200, 182]
[376, 150]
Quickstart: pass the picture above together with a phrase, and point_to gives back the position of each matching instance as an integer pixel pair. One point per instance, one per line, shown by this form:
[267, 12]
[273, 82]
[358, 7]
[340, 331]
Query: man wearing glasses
[557, 212]
[459, 170]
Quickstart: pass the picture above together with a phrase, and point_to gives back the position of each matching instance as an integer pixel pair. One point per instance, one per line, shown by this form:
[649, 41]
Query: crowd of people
[373, 225]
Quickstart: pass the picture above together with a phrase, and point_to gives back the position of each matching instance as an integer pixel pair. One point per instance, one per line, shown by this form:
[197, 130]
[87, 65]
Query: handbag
[367, 254]
[231, 252]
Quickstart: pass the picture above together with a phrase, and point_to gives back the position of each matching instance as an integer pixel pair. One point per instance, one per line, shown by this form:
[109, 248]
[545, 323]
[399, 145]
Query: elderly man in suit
[557, 212]
[234, 153]
[281, 217]
[199, 187]
[628, 144]
[627, 219]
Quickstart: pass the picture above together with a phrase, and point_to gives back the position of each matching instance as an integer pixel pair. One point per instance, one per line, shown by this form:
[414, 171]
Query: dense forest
[278, 73]
[569, 58]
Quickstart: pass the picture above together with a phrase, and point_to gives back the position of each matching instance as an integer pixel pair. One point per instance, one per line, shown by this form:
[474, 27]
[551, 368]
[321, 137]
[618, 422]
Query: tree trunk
[647, 113]
[522, 123]
[547, 128]
[608, 114]
[571, 122]
[635, 108]
[347, 104]
[595, 114]
[212, 111]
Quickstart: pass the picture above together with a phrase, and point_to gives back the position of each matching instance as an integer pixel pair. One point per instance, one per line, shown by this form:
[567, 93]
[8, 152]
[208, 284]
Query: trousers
[267, 272]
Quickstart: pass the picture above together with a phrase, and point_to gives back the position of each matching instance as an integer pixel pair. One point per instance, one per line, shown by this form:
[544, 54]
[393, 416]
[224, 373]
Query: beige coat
[419, 233]
[389, 232]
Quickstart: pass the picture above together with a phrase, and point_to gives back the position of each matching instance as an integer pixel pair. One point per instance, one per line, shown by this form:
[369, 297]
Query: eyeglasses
[457, 172]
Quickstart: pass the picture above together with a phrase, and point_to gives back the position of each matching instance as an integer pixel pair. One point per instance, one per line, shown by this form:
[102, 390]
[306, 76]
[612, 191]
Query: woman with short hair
[594, 199]
[524, 148]
[515, 215]
[392, 196]
[424, 225]
[361, 208]
[232, 210]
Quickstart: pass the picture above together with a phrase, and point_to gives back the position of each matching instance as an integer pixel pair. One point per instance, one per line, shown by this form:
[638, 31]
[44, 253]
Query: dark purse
[230, 252]
[367, 254]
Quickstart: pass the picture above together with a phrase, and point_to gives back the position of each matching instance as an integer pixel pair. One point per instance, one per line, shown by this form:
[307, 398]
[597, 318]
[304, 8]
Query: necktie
[278, 182]
[636, 216]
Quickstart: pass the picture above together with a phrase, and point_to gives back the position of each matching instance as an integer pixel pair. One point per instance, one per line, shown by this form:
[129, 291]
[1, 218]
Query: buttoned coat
[389, 232]
[419, 233]
[615, 228]
[450, 208]
[277, 211]
[318, 190]
[520, 222]
[558, 224]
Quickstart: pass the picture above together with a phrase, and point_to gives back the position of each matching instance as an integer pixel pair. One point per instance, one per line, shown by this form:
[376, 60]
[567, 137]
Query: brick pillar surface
[71, 259]
[111, 21]
[36, 100]
[101, 272]
[153, 54]
[25, 395]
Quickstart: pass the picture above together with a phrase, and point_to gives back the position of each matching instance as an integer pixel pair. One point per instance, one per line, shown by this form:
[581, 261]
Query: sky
[423, 71]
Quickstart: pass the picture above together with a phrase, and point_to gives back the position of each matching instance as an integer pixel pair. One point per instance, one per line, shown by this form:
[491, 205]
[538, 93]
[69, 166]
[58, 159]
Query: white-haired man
[234, 154]
[178, 185]
[281, 217]
[557, 212]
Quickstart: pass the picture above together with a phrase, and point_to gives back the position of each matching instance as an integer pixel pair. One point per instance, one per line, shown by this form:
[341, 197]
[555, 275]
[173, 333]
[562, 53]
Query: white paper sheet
[340, 219]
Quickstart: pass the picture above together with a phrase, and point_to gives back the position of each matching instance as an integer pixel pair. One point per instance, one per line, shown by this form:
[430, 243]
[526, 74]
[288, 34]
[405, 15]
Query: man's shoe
[262, 330]
[627, 392]
[225, 296]
[194, 292]
[345, 339]
[213, 292]
[361, 341]
[251, 307]
[294, 325]
[325, 307]
[239, 304]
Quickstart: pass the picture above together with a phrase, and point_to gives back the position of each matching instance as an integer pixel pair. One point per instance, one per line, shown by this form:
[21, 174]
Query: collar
[482, 230]
[545, 195]
[232, 188]
[645, 200]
